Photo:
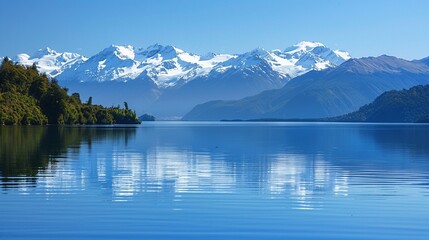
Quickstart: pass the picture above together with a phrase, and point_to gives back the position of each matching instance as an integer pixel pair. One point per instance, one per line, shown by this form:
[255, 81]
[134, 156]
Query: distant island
[30, 98]
[147, 118]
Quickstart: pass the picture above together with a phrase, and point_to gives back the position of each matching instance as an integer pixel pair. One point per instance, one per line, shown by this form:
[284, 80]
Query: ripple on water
[216, 180]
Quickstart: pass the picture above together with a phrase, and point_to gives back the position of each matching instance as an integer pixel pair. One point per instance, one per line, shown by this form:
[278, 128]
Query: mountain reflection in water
[296, 161]
[218, 180]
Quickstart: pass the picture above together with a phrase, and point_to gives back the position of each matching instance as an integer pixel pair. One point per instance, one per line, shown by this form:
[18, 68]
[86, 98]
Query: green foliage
[410, 105]
[54, 103]
[27, 97]
[75, 97]
[16, 109]
[123, 115]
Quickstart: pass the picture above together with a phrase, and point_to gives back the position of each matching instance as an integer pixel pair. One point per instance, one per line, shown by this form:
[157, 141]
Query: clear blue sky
[364, 27]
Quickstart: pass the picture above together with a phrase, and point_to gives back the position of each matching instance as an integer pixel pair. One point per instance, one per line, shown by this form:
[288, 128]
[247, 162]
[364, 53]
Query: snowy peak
[254, 57]
[303, 46]
[157, 50]
[308, 56]
[294, 61]
[50, 61]
[316, 49]
[121, 52]
[257, 52]
[343, 54]
[163, 65]
[157, 53]
[44, 52]
[167, 65]
[208, 56]
[115, 62]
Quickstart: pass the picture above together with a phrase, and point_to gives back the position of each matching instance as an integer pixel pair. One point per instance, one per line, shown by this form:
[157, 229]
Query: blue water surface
[215, 180]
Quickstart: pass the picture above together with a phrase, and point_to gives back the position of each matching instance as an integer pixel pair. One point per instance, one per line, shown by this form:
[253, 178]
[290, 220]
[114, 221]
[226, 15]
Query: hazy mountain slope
[327, 93]
[248, 75]
[425, 60]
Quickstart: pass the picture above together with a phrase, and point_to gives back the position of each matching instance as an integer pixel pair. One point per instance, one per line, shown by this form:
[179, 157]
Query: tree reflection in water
[26, 151]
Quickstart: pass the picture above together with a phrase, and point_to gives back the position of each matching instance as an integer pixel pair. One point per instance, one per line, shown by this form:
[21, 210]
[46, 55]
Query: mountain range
[319, 94]
[168, 82]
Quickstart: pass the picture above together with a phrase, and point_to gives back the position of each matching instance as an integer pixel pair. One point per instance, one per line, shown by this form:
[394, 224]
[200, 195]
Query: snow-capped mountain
[50, 62]
[247, 74]
[240, 76]
[112, 63]
[319, 94]
[294, 61]
[306, 56]
[168, 65]
[164, 65]
[168, 81]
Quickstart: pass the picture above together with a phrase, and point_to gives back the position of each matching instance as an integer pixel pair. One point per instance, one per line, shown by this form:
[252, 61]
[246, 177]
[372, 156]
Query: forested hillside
[28, 97]
[411, 105]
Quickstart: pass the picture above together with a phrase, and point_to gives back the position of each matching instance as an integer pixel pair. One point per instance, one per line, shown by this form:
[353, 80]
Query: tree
[76, 97]
[34, 67]
[38, 88]
[54, 103]
[28, 97]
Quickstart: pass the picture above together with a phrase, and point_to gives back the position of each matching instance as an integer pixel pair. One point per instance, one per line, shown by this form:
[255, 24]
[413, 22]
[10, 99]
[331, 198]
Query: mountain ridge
[318, 94]
[166, 64]
[168, 82]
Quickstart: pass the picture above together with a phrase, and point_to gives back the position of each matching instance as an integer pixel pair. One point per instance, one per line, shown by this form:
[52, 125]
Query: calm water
[215, 181]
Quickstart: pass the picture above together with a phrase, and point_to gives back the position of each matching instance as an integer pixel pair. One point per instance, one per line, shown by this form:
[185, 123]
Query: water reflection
[398, 138]
[305, 163]
[30, 152]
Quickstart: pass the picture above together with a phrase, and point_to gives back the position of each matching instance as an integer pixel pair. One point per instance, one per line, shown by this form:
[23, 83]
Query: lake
[215, 180]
